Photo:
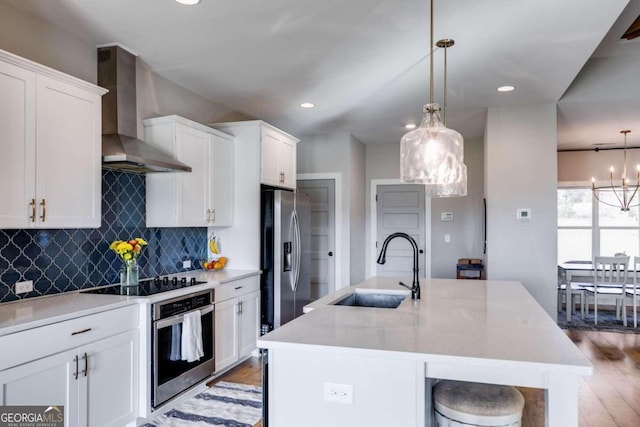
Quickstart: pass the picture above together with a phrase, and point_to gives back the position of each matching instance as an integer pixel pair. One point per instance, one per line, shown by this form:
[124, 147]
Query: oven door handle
[160, 324]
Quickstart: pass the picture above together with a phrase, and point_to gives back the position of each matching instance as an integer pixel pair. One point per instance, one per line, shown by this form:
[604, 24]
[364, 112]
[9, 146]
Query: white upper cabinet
[278, 158]
[274, 150]
[202, 197]
[50, 127]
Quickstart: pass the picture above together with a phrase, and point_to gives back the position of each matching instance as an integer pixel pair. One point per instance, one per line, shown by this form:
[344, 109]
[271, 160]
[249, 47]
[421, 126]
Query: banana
[213, 246]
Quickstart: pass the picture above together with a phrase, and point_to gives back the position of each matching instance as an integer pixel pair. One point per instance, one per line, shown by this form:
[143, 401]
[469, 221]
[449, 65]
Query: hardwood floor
[610, 398]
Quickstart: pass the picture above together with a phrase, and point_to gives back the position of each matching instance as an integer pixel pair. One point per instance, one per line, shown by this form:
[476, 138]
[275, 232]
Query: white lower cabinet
[226, 334]
[237, 321]
[96, 382]
[48, 381]
[112, 380]
[249, 327]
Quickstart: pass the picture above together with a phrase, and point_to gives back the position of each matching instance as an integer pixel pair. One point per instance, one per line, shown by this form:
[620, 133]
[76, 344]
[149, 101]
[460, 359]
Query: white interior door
[400, 208]
[321, 193]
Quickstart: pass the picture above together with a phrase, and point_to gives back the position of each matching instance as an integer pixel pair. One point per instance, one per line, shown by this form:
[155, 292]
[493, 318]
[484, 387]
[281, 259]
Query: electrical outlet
[186, 263]
[338, 393]
[447, 238]
[24, 287]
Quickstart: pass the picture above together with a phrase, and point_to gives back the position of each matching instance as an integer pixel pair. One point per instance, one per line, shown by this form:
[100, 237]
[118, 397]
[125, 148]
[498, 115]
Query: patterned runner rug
[606, 322]
[224, 404]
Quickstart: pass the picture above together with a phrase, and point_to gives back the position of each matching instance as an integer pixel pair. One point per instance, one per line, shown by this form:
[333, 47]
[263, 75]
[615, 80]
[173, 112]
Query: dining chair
[634, 290]
[577, 291]
[610, 274]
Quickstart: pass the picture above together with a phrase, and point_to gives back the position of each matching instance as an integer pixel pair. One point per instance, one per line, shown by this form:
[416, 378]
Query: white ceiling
[364, 63]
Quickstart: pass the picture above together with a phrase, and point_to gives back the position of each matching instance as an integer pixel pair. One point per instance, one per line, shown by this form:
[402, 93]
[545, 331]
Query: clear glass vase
[129, 273]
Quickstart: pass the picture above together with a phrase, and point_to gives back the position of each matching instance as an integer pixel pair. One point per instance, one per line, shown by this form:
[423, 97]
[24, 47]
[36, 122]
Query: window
[587, 228]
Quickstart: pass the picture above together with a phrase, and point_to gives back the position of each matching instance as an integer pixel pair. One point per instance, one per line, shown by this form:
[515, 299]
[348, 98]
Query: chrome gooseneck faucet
[415, 286]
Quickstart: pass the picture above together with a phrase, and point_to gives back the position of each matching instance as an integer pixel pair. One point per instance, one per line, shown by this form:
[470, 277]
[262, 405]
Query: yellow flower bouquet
[128, 251]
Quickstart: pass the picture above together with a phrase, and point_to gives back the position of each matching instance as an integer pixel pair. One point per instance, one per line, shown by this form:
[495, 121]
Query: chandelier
[625, 192]
[433, 154]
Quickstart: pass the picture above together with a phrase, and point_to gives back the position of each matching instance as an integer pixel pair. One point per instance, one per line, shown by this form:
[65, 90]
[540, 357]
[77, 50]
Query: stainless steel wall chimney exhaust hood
[121, 150]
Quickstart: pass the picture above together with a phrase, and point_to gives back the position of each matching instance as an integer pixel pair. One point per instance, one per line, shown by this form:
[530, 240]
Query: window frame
[595, 226]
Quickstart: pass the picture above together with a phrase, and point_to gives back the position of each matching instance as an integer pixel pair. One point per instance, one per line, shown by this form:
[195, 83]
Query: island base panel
[386, 391]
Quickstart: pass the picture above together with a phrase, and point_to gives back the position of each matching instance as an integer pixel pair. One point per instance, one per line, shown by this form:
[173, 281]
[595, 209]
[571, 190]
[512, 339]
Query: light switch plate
[446, 216]
[523, 214]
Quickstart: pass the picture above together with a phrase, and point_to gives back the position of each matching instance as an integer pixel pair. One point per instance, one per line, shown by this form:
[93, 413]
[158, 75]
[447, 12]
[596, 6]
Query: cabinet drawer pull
[44, 210]
[33, 210]
[86, 364]
[238, 287]
[80, 332]
[75, 374]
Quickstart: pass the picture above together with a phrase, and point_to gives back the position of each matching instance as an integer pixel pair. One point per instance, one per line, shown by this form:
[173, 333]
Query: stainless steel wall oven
[170, 375]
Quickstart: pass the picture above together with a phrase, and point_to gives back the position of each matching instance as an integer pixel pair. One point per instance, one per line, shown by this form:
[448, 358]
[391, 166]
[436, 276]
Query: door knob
[421, 251]
[330, 254]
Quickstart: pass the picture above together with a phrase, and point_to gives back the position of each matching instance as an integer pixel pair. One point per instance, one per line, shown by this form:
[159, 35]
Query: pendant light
[624, 193]
[433, 154]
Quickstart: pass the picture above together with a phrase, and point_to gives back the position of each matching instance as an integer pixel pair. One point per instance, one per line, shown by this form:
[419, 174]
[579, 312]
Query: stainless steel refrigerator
[285, 258]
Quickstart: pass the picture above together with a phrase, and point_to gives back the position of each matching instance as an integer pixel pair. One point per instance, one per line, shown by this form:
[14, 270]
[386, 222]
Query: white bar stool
[465, 404]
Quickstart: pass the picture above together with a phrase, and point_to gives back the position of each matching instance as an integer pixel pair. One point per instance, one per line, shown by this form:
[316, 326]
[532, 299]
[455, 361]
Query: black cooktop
[149, 287]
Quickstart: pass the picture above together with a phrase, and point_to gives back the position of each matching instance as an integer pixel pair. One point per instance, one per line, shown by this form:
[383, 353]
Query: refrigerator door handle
[297, 251]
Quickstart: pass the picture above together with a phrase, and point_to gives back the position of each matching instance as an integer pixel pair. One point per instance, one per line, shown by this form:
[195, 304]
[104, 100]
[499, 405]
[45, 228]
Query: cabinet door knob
[86, 364]
[330, 253]
[33, 210]
[44, 210]
[75, 374]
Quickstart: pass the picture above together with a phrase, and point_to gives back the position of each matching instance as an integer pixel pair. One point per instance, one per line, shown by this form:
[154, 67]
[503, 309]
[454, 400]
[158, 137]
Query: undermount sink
[371, 299]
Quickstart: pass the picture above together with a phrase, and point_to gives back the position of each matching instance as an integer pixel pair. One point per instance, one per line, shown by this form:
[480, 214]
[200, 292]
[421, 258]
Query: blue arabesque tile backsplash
[71, 259]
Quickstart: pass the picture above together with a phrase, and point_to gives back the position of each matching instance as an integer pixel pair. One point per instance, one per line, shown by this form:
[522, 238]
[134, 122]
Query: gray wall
[521, 172]
[341, 153]
[383, 162]
[466, 228]
[357, 209]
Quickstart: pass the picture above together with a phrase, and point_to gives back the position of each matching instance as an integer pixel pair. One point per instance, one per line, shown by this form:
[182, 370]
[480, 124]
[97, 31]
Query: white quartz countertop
[477, 322]
[29, 313]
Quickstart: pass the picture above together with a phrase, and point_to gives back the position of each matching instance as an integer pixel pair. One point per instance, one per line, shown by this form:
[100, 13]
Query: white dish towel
[192, 336]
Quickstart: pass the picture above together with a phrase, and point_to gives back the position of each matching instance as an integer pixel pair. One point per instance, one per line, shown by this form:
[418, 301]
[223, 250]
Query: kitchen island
[345, 366]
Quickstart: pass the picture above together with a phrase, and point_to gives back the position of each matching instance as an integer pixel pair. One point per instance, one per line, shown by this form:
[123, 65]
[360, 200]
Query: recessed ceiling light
[506, 88]
[188, 2]
[307, 105]
[410, 126]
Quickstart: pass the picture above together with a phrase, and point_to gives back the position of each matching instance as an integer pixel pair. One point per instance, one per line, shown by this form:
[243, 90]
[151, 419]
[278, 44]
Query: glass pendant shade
[433, 155]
